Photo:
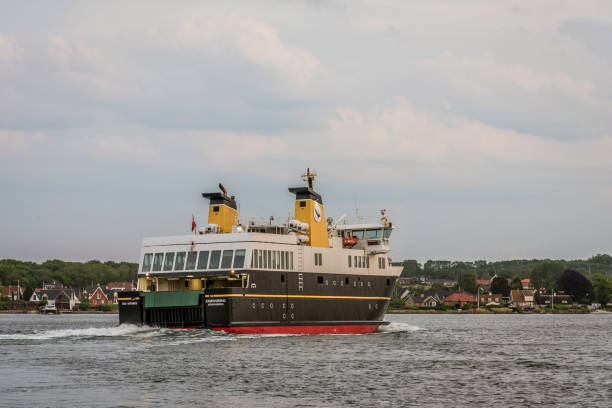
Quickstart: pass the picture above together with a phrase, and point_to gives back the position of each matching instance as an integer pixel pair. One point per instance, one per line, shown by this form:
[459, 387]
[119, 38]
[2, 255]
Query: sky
[484, 128]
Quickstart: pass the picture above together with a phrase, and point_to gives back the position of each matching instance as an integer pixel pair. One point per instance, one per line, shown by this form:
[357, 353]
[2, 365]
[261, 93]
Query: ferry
[308, 275]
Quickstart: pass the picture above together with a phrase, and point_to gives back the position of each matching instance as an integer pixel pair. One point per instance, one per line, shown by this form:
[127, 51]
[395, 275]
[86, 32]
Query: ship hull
[270, 302]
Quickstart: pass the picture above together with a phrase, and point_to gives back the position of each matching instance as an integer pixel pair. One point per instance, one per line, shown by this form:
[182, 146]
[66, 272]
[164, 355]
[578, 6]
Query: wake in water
[123, 330]
[395, 327]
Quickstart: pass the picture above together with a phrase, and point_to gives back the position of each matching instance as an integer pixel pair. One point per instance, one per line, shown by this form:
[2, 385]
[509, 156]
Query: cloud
[485, 67]
[9, 50]
[596, 35]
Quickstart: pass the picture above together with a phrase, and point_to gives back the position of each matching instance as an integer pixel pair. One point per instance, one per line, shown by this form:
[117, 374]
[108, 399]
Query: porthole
[291, 305]
[254, 306]
[284, 315]
[292, 315]
[334, 283]
[262, 305]
[284, 305]
[271, 305]
[327, 282]
[369, 284]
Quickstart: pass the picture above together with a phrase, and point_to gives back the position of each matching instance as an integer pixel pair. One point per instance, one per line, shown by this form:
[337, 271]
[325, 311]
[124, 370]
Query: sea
[416, 361]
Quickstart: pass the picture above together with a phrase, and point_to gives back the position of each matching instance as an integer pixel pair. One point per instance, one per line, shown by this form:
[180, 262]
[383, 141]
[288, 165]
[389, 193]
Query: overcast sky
[483, 127]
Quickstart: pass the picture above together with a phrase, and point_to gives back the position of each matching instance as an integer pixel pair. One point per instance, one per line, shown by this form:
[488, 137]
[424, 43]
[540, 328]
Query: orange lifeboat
[349, 241]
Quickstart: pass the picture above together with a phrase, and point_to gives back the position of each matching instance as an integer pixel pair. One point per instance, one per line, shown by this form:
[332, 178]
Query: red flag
[193, 223]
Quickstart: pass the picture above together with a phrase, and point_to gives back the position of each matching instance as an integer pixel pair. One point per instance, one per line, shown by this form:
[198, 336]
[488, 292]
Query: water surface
[418, 360]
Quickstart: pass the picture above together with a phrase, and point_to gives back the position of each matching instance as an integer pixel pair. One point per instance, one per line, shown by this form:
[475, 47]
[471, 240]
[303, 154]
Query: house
[490, 299]
[556, 300]
[102, 297]
[526, 283]
[420, 300]
[522, 298]
[13, 292]
[61, 298]
[460, 299]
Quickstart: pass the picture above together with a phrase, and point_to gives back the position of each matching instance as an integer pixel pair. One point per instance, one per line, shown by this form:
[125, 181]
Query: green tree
[602, 285]
[575, 284]
[516, 283]
[500, 285]
[545, 275]
[467, 281]
[411, 268]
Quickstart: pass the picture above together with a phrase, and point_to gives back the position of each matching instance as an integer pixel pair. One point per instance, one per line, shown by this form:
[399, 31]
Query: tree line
[31, 275]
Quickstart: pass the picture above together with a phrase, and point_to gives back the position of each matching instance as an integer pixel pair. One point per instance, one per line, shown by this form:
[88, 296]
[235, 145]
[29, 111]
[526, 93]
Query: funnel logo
[316, 211]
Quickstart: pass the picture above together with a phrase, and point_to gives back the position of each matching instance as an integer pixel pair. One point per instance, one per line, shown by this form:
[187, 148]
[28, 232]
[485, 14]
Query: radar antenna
[309, 177]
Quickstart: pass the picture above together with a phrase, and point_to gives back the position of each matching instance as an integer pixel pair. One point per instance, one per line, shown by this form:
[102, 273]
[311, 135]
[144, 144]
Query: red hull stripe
[337, 329]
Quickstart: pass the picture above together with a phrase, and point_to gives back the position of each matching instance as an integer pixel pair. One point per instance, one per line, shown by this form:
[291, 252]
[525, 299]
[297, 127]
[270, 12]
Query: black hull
[272, 299]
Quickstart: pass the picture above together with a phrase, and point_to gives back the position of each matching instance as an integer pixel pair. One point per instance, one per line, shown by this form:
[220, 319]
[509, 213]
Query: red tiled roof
[526, 280]
[460, 297]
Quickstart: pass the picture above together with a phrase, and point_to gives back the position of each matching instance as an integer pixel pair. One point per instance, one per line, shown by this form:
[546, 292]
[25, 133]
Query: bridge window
[358, 234]
[215, 257]
[360, 259]
[226, 261]
[387, 232]
[203, 260]
[157, 261]
[146, 262]
[291, 260]
[191, 260]
[373, 234]
[169, 261]
[239, 258]
[179, 264]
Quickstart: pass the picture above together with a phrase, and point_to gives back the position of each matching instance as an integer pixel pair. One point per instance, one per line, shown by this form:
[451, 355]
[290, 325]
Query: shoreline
[61, 313]
[495, 311]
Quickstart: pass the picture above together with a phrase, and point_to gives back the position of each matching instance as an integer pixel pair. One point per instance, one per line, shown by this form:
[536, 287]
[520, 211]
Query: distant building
[522, 298]
[121, 286]
[556, 300]
[460, 299]
[13, 292]
[63, 298]
[526, 283]
[102, 297]
[490, 299]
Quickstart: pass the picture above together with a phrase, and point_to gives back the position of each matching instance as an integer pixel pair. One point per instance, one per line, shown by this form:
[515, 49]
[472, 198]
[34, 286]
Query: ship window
[373, 234]
[367, 262]
[358, 234]
[267, 262]
[287, 260]
[203, 260]
[283, 264]
[226, 262]
[169, 261]
[360, 258]
[387, 232]
[215, 257]
[216, 208]
[157, 261]
[191, 260]
[260, 255]
[388, 282]
[349, 259]
[302, 203]
[254, 259]
[146, 262]
[239, 258]
[346, 281]
[274, 257]
[320, 280]
[179, 263]
[291, 260]
[282, 277]
[355, 260]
